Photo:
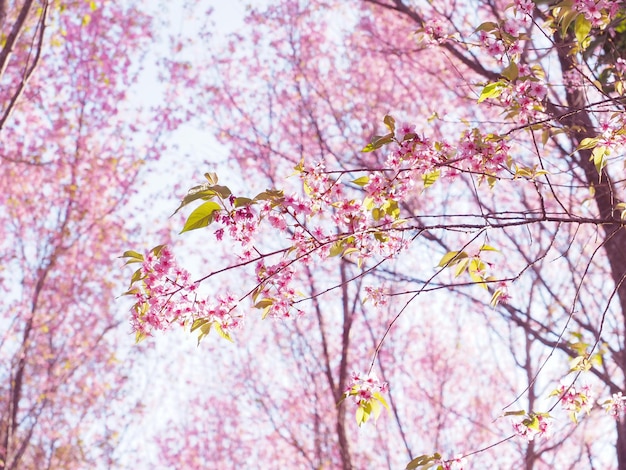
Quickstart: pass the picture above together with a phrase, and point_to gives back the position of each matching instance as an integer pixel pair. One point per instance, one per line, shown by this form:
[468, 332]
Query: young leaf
[588, 143]
[430, 178]
[337, 248]
[140, 336]
[598, 155]
[377, 142]
[242, 201]
[390, 123]
[381, 399]
[194, 195]
[137, 276]
[211, 178]
[511, 72]
[264, 303]
[222, 333]
[362, 181]
[201, 217]
[451, 258]
[488, 248]
[132, 254]
[198, 323]
[487, 26]
[582, 28]
[492, 90]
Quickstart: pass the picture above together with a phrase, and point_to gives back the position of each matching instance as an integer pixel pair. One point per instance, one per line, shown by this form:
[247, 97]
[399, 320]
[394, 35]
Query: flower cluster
[240, 222]
[525, 7]
[165, 295]
[321, 188]
[221, 314]
[532, 425]
[451, 464]
[598, 12]
[366, 391]
[482, 154]
[504, 39]
[615, 405]
[612, 134]
[378, 295]
[367, 225]
[162, 290]
[574, 400]
[525, 99]
[362, 387]
[275, 293]
[433, 32]
[501, 294]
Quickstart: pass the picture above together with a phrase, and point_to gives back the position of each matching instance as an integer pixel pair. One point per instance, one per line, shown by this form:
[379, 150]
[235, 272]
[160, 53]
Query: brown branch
[28, 72]
[16, 31]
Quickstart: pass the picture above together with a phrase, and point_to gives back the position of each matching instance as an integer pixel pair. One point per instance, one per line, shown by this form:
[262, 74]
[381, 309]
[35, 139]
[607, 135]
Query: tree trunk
[577, 119]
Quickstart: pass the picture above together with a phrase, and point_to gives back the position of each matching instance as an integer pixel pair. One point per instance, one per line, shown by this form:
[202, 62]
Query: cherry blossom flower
[615, 405]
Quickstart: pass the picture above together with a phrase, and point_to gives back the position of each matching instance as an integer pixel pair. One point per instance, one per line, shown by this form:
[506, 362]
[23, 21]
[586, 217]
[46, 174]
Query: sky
[172, 363]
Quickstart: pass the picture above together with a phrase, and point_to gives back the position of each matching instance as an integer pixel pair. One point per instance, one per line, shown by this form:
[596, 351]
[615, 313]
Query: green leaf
[266, 312]
[263, 303]
[139, 337]
[425, 461]
[137, 276]
[381, 399]
[222, 333]
[337, 248]
[198, 323]
[132, 254]
[391, 208]
[205, 329]
[582, 28]
[242, 201]
[361, 415]
[350, 250]
[270, 195]
[461, 267]
[495, 298]
[488, 248]
[451, 258]
[598, 156]
[222, 191]
[491, 90]
[211, 178]
[487, 26]
[588, 143]
[201, 217]
[430, 178]
[566, 16]
[362, 181]
[132, 291]
[377, 142]
[511, 72]
[195, 194]
[157, 250]
[390, 122]
[376, 409]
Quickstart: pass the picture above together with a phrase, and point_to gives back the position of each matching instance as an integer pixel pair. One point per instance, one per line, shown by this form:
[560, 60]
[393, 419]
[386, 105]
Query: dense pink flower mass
[70, 163]
[405, 167]
[166, 295]
[426, 164]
